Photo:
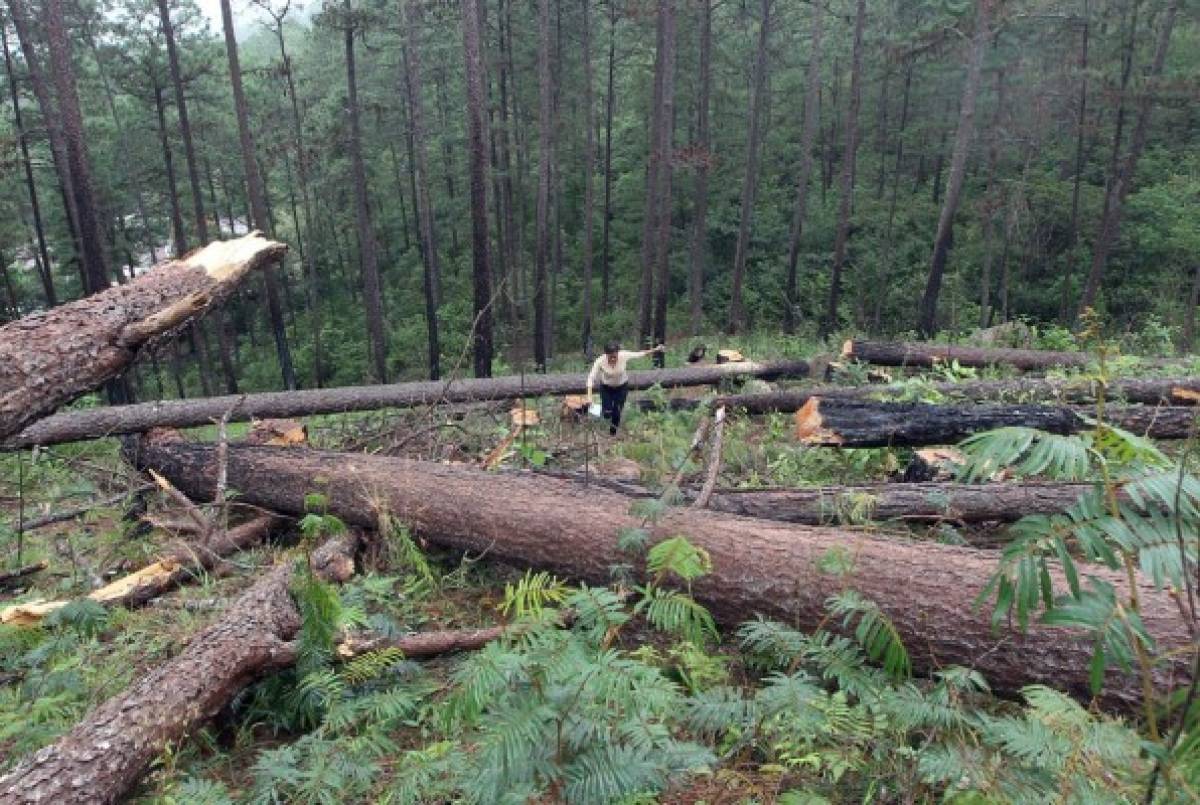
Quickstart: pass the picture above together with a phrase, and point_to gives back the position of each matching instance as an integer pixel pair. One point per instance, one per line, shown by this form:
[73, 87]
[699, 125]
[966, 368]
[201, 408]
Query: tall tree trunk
[606, 224]
[990, 206]
[185, 128]
[737, 312]
[254, 186]
[515, 262]
[1080, 123]
[808, 136]
[698, 258]
[650, 207]
[419, 169]
[45, 271]
[1188, 337]
[179, 245]
[92, 252]
[541, 323]
[589, 178]
[50, 117]
[1120, 183]
[927, 322]
[849, 165]
[367, 247]
[666, 156]
[477, 149]
[448, 172]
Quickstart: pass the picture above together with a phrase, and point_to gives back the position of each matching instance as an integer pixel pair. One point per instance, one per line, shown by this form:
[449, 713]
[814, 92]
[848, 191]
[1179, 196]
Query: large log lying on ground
[759, 567]
[75, 425]
[166, 573]
[886, 353]
[1074, 391]
[50, 358]
[856, 423]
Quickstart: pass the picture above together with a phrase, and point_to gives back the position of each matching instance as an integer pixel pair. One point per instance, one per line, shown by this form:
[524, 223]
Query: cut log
[759, 567]
[853, 423]
[10, 577]
[166, 573]
[1074, 391]
[104, 755]
[49, 358]
[888, 353]
[98, 422]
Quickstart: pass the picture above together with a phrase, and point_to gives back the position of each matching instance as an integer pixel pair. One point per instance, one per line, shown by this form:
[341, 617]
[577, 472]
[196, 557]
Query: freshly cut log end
[921, 354]
[105, 754]
[49, 358]
[759, 567]
[71, 426]
[809, 425]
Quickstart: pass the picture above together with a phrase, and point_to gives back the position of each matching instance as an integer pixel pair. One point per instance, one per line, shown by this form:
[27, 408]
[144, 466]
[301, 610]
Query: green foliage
[530, 596]
[875, 631]
[678, 557]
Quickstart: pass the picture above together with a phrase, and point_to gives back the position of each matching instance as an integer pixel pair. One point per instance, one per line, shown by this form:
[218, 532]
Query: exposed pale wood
[51, 357]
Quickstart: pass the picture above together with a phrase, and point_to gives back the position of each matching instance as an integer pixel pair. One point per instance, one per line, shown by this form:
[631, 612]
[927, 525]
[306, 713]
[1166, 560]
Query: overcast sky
[245, 15]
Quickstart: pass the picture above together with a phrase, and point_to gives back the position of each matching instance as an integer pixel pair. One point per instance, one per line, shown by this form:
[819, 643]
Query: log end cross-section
[49, 358]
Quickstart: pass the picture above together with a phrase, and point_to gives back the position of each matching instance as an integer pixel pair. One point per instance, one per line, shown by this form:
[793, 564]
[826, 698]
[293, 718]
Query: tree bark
[759, 568]
[185, 128]
[45, 271]
[808, 136]
[887, 353]
[609, 106]
[312, 284]
[858, 423]
[737, 311]
[98, 422]
[49, 358]
[179, 246]
[481, 345]
[927, 322]
[541, 323]
[589, 178]
[1120, 184]
[849, 166]
[664, 175]
[419, 167]
[254, 187]
[367, 245]
[698, 259]
[92, 252]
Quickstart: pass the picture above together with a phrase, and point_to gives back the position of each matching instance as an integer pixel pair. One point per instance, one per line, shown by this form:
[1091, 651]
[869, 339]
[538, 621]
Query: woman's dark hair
[612, 348]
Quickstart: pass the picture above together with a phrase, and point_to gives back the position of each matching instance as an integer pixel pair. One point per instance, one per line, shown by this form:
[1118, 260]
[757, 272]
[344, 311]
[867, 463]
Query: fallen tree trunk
[1074, 391]
[888, 353]
[104, 755]
[160, 576]
[10, 577]
[829, 505]
[854, 423]
[49, 358]
[75, 425]
[759, 567]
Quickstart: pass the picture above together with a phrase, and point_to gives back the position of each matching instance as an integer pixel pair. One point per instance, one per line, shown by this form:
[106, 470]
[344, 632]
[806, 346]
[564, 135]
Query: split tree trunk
[99, 422]
[50, 358]
[855, 423]
[886, 353]
[759, 568]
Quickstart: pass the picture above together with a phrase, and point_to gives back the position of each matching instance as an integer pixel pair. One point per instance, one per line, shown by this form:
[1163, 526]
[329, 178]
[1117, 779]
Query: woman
[609, 369]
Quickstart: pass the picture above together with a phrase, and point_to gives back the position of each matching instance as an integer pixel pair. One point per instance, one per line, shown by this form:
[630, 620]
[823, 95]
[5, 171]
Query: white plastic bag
[594, 410]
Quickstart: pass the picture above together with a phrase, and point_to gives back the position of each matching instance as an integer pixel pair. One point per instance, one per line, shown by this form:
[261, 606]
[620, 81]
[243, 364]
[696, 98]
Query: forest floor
[51, 675]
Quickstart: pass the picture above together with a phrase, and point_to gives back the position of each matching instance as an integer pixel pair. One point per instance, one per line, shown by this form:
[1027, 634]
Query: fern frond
[875, 631]
[679, 557]
[677, 613]
[532, 594]
[1025, 451]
